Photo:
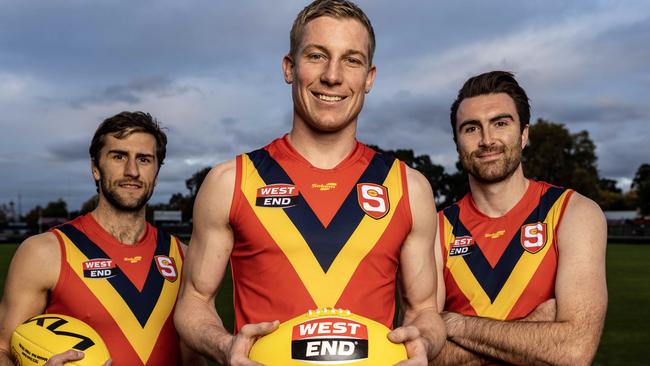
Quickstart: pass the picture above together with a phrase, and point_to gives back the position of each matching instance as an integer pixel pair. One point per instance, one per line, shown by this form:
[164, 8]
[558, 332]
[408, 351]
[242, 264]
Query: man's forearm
[525, 342]
[431, 327]
[202, 330]
[453, 355]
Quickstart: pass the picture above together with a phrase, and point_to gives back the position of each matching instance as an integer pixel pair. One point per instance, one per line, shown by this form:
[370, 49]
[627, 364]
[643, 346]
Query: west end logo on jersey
[329, 340]
[166, 267]
[533, 237]
[99, 268]
[277, 195]
[373, 199]
[462, 245]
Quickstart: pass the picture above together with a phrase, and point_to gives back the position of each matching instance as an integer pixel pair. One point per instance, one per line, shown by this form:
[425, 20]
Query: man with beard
[521, 263]
[129, 303]
[314, 219]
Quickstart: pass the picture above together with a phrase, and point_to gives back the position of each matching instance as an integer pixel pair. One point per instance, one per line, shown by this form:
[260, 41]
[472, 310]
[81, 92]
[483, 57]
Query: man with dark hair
[521, 263]
[315, 219]
[130, 303]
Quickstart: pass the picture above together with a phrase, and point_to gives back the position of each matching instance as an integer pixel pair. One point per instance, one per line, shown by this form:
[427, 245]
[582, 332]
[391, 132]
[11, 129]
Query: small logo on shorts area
[462, 245]
[99, 268]
[329, 340]
[533, 237]
[277, 195]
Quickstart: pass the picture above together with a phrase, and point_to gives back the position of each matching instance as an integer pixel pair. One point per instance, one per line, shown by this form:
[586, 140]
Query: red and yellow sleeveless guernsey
[502, 268]
[308, 237]
[126, 293]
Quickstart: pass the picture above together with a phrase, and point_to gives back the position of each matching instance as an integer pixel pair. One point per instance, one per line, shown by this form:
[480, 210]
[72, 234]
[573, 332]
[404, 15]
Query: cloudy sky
[210, 72]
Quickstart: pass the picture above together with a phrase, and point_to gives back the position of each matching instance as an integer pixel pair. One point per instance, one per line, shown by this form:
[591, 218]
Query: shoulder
[417, 183]
[39, 251]
[581, 207]
[43, 246]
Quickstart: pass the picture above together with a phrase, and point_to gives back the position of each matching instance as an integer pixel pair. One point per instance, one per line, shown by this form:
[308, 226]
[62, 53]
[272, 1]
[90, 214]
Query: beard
[122, 203]
[493, 171]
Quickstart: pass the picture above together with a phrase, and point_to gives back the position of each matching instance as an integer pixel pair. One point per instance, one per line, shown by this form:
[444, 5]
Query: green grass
[627, 327]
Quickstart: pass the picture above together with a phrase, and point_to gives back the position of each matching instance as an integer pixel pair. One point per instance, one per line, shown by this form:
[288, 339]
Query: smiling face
[330, 73]
[126, 171]
[489, 139]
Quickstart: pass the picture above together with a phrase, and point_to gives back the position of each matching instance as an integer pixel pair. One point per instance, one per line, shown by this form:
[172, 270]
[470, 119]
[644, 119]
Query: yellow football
[41, 337]
[329, 337]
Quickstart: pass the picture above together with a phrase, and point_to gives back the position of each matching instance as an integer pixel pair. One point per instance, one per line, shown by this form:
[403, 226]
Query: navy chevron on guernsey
[511, 266]
[132, 306]
[325, 242]
[491, 278]
[326, 246]
[142, 302]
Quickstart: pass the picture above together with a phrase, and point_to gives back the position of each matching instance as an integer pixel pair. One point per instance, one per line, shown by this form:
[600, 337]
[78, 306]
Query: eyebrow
[493, 119]
[137, 155]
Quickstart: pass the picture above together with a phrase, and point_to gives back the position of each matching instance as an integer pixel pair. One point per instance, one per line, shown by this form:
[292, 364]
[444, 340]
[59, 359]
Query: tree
[434, 173]
[194, 183]
[58, 208]
[556, 156]
[641, 184]
[89, 205]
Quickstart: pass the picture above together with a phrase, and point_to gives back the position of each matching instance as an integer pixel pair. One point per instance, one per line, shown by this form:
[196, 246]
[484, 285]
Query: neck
[323, 150]
[126, 227]
[496, 199]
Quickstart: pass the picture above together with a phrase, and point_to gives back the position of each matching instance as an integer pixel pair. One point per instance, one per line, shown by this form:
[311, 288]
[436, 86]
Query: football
[41, 337]
[329, 337]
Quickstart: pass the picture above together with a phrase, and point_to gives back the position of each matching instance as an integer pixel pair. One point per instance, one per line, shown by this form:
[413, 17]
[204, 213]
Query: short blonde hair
[331, 8]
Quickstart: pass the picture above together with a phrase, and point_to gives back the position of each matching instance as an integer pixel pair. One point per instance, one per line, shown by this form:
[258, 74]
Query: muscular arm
[422, 324]
[196, 318]
[581, 300]
[26, 290]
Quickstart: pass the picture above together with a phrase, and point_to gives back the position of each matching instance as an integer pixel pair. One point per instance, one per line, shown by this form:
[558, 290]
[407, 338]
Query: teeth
[327, 98]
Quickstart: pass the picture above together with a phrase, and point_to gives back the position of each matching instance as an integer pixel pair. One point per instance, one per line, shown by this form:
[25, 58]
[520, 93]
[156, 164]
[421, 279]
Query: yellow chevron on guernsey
[325, 288]
[140, 337]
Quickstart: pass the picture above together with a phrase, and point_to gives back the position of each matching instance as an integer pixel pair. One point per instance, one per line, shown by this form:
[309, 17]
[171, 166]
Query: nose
[131, 168]
[332, 75]
[486, 138]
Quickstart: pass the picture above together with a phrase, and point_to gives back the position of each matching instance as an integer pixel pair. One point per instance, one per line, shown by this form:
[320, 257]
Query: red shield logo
[166, 267]
[533, 237]
[373, 199]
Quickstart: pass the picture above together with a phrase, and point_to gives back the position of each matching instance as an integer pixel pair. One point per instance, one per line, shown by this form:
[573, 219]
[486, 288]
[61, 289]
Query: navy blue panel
[493, 279]
[140, 303]
[325, 243]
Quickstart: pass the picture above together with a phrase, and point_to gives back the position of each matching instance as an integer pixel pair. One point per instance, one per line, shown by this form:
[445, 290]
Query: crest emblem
[533, 237]
[373, 199]
[166, 267]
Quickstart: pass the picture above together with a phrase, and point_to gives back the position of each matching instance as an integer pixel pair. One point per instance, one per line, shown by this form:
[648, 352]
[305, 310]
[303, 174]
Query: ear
[524, 137]
[95, 170]
[287, 68]
[370, 78]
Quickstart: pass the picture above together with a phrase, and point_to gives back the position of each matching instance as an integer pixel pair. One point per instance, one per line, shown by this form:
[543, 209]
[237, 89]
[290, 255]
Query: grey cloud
[69, 151]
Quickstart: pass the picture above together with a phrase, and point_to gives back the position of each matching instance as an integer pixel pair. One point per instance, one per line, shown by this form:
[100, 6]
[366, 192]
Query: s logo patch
[166, 267]
[277, 195]
[373, 199]
[533, 237]
[462, 245]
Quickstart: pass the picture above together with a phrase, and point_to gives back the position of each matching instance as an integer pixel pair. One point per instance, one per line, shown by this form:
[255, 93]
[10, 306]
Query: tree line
[553, 154]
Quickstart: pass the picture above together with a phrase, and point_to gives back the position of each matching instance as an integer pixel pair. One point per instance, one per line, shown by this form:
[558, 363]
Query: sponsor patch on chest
[329, 340]
[99, 268]
[462, 245]
[277, 195]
